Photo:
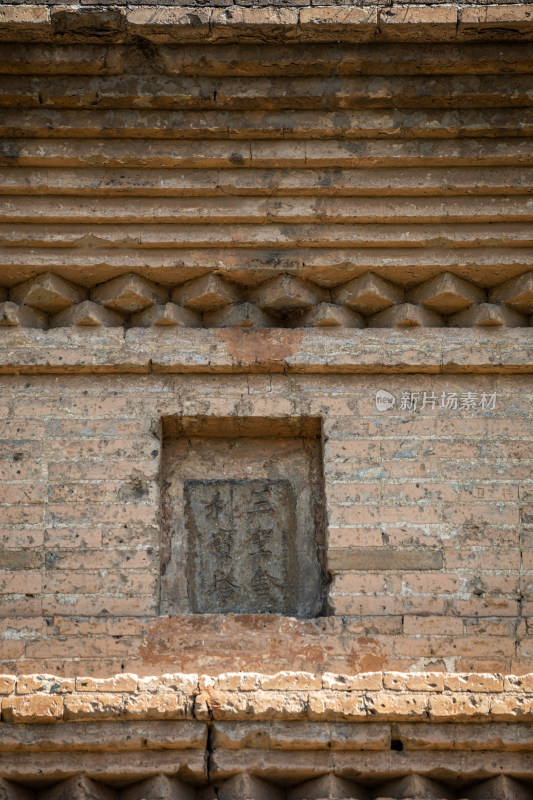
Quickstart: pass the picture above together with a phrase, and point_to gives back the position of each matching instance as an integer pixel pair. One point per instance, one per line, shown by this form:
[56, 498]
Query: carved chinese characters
[242, 517]
[239, 543]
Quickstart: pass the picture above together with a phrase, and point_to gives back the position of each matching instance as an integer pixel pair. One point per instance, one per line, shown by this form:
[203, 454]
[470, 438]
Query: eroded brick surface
[290, 696]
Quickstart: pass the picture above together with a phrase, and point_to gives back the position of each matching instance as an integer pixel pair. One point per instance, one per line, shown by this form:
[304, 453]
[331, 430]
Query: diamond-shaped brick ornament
[413, 786]
[12, 791]
[207, 293]
[239, 315]
[406, 315]
[329, 315]
[87, 314]
[159, 787]
[285, 295]
[247, 787]
[516, 293]
[166, 315]
[14, 316]
[129, 294]
[79, 787]
[446, 294]
[501, 787]
[488, 315]
[48, 293]
[368, 294]
[328, 787]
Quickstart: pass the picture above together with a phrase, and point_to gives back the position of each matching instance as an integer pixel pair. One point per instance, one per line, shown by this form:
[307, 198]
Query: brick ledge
[286, 696]
[238, 350]
[66, 22]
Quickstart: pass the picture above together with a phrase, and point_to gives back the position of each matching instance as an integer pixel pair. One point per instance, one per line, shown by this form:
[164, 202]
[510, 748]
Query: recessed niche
[243, 516]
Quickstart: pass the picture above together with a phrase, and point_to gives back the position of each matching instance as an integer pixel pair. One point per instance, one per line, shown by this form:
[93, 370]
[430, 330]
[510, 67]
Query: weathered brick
[7, 684]
[119, 683]
[397, 705]
[417, 682]
[31, 709]
[99, 705]
[160, 705]
[14, 582]
[512, 708]
[292, 681]
[362, 682]
[473, 683]
[458, 706]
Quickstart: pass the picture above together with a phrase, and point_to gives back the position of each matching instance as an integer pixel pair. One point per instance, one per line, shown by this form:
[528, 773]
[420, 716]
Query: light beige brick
[35, 708]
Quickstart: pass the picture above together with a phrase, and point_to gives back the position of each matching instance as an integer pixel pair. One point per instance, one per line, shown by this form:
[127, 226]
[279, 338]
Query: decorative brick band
[282, 301]
[287, 696]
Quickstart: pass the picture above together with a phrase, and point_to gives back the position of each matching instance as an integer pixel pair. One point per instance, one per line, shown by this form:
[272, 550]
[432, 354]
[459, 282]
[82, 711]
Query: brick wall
[359, 204]
[430, 518]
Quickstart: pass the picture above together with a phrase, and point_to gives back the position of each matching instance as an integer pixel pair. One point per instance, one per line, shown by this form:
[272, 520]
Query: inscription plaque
[241, 537]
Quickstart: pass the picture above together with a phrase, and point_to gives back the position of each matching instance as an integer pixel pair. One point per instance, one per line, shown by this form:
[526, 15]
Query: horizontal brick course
[375, 696]
[173, 20]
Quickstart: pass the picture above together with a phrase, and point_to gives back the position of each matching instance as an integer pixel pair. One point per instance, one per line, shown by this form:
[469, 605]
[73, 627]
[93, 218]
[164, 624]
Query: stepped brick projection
[266, 474]
[247, 736]
[245, 178]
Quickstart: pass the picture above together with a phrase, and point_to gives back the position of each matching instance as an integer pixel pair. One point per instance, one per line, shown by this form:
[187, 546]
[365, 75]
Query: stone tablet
[241, 536]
